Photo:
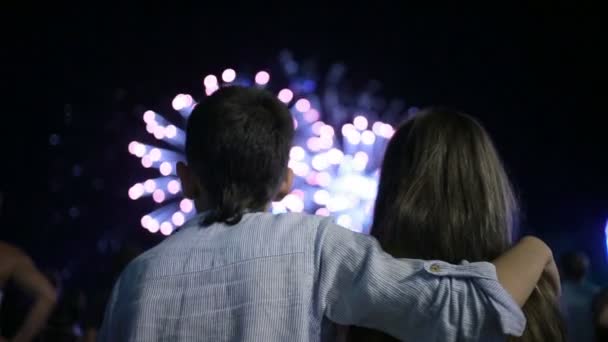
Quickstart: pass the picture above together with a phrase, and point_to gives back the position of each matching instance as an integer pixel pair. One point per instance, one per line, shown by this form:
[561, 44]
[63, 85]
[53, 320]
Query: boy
[236, 273]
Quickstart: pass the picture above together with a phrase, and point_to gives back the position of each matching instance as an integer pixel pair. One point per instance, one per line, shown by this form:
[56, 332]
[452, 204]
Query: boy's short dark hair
[237, 143]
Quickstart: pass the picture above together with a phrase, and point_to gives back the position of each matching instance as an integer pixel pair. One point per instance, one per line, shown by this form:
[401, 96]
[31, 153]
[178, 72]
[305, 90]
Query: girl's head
[444, 193]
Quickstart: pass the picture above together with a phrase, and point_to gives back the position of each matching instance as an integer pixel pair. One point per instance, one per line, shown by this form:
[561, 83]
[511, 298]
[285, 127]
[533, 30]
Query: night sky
[530, 74]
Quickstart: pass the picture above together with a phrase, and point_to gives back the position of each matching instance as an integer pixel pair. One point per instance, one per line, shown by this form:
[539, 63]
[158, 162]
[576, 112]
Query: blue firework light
[340, 139]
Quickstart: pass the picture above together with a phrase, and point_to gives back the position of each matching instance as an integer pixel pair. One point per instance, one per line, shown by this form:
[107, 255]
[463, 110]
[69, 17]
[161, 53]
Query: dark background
[531, 73]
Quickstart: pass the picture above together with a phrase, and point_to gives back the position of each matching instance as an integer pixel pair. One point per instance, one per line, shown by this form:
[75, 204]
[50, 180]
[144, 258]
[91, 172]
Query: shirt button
[435, 268]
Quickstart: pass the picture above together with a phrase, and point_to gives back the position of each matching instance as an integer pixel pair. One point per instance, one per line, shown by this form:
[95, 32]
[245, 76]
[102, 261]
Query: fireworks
[336, 154]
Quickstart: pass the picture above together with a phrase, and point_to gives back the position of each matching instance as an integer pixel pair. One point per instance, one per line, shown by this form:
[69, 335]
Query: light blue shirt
[289, 278]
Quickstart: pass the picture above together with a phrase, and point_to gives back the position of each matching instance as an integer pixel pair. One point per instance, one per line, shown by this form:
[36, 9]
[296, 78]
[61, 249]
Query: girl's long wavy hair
[444, 194]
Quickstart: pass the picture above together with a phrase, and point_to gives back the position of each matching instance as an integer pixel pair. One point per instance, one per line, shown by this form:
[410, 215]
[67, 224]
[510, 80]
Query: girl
[445, 195]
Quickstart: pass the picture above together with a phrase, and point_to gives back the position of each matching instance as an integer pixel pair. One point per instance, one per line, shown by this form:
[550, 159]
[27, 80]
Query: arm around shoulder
[520, 268]
[410, 299]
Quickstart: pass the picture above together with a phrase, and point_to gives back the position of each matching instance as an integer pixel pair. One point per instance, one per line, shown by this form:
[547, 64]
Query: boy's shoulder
[278, 228]
[253, 228]
[288, 219]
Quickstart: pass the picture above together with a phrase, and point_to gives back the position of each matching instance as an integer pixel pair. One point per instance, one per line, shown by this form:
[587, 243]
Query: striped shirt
[290, 277]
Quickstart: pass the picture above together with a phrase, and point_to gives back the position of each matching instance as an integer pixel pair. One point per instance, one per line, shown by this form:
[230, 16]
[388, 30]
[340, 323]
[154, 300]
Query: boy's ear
[286, 186]
[190, 183]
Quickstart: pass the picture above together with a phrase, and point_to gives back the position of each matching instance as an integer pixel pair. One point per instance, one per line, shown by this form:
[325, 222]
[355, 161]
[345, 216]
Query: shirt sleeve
[410, 299]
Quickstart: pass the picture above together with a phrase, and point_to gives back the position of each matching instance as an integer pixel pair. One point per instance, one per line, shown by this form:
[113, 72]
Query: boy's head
[237, 147]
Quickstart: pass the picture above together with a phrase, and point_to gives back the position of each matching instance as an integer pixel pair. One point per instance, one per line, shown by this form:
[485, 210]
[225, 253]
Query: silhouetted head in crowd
[237, 147]
[444, 194]
[575, 266]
